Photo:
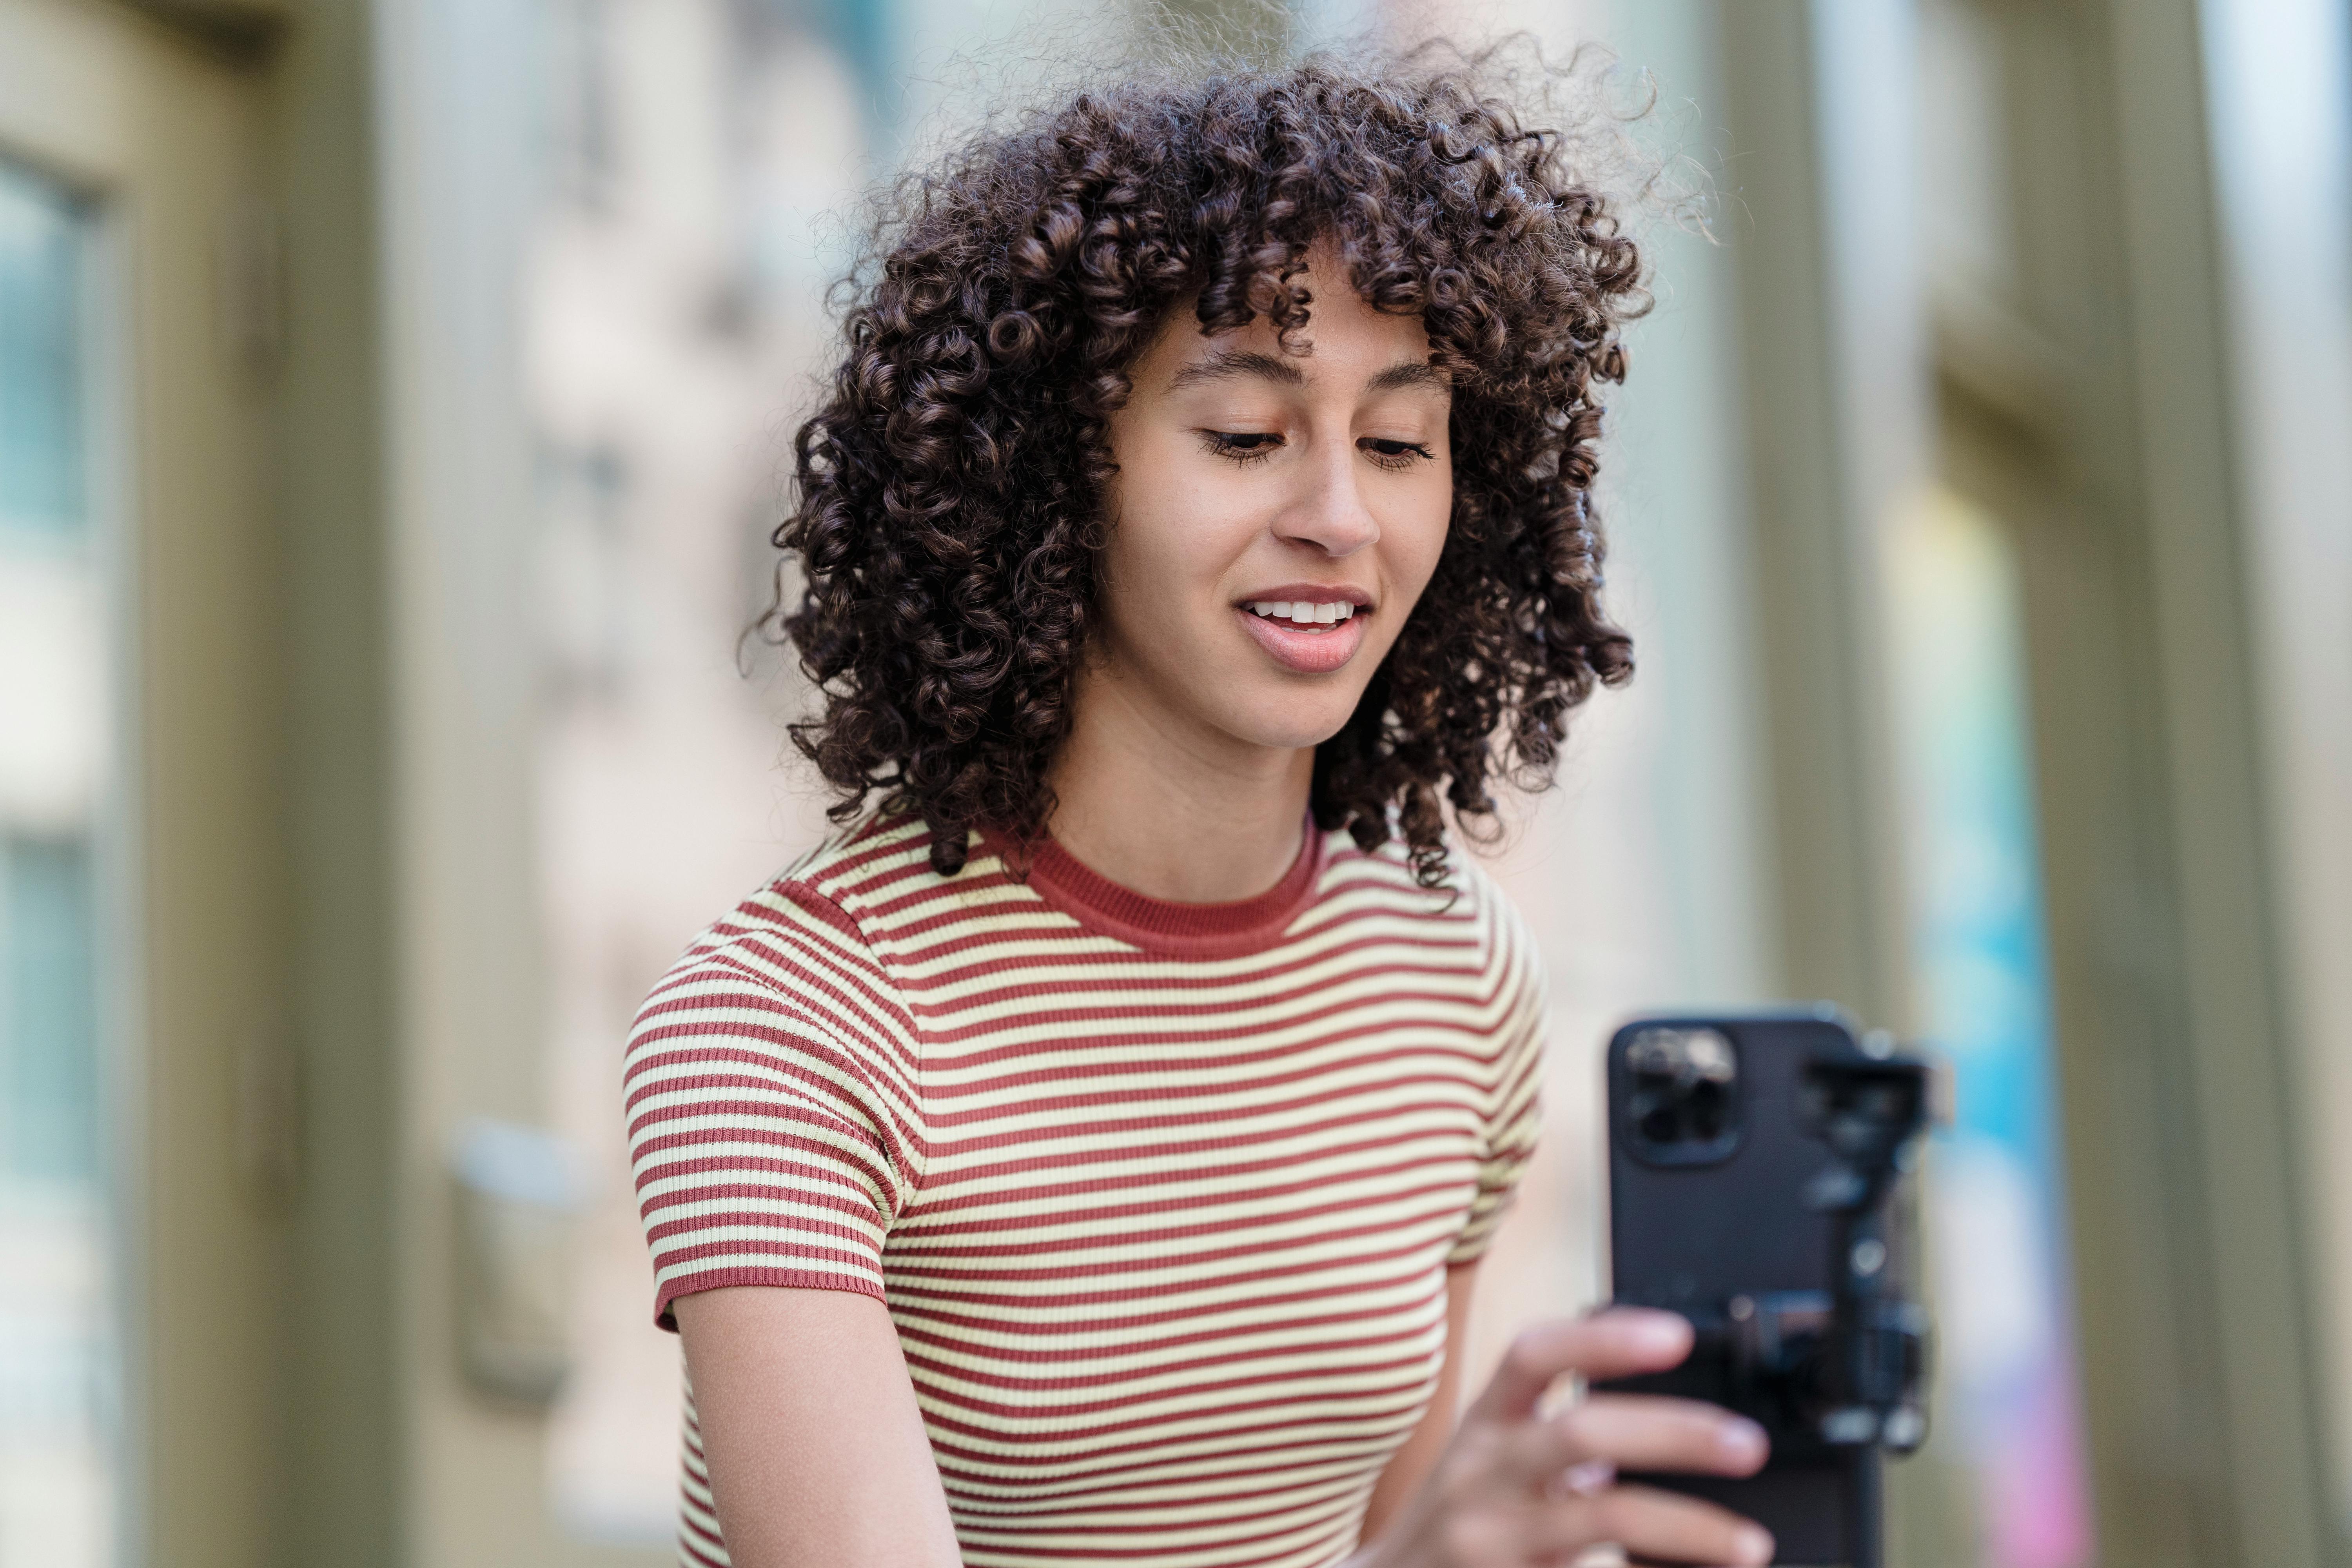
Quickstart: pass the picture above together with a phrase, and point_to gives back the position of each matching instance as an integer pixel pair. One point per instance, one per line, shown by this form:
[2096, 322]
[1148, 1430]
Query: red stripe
[780, 1277]
[909, 1284]
[1156, 1433]
[1279, 1449]
[1179, 1243]
[1118, 1389]
[1148, 1122]
[800, 1230]
[1072, 1327]
[1306, 939]
[1157, 1103]
[1118, 979]
[1109, 1039]
[1272, 1524]
[828, 1168]
[974, 1481]
[1104, 1216]
[1151, 1470]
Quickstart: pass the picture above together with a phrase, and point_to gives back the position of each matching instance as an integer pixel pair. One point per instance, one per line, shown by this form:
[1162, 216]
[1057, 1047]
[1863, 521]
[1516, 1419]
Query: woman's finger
[1634, 1431]
[1650, 1432]
[1648, 1523]
[1619, 1343]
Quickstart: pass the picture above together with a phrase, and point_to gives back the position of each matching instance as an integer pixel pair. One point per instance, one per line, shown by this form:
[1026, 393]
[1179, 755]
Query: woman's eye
[1391, 454]
[1242, 446]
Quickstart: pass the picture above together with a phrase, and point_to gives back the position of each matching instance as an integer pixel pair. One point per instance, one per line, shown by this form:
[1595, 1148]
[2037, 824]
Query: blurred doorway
[2080, 1332]
[144, 1115]
[2007, 1465]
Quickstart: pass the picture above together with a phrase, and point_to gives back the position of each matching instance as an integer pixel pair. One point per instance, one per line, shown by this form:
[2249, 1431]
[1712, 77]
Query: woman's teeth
[1303, 612]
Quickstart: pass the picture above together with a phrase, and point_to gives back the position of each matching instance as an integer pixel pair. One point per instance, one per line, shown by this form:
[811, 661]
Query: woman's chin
[1290, 725]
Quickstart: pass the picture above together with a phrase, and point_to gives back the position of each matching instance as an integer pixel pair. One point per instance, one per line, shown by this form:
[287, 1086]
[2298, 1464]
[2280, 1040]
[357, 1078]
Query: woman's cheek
[1421, 538]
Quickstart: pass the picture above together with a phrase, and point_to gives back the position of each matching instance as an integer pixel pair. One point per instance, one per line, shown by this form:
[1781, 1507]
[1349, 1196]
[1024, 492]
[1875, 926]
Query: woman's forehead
[1377, 351]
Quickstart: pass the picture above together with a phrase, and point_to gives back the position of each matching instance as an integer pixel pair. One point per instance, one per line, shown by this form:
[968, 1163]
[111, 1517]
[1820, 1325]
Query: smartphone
[1725, 1165]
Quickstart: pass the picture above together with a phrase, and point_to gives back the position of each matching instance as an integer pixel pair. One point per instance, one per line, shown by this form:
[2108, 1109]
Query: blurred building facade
[394, 402]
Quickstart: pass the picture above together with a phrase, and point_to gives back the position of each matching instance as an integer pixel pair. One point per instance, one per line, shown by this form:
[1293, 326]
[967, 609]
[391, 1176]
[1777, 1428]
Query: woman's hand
[1516, 1487]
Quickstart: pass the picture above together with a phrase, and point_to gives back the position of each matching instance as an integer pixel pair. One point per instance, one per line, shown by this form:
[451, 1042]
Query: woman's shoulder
[1467, 896]
[1468, 914]
[806, 922]
[1389, 868]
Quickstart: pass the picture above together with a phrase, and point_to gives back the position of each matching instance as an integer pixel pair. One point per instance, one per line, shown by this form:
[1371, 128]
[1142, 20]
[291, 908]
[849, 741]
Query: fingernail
[1755, 1543]
[1742, 1441]
[1665, 1329]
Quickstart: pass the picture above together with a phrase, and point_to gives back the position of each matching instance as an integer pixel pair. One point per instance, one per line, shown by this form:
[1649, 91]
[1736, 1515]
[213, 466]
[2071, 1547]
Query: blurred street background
[394, 402]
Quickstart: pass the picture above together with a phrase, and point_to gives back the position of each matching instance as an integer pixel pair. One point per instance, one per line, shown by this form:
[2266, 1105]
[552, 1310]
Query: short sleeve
[769, 1124]
[1514, 1119]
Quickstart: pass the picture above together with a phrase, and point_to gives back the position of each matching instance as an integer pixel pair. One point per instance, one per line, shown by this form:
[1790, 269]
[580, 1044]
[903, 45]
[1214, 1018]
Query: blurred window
[584, 567]
[577, 102]
[60, 1458]
[40, 370]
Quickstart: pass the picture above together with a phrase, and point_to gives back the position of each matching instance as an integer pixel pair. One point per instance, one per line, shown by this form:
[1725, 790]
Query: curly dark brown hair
[948, 512]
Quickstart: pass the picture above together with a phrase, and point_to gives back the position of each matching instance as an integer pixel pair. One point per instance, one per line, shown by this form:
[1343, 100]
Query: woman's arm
[1410, 1464]
[815, 1445]
[817, 1453]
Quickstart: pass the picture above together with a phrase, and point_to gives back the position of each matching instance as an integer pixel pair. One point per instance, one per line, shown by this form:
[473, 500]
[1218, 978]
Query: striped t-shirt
[1160, 1196]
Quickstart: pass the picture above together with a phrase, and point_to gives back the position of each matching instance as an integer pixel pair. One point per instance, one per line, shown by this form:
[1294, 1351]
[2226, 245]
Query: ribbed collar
[1163, 925]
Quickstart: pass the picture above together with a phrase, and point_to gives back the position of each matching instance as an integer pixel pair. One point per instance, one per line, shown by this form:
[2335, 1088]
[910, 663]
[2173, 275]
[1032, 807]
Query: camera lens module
[1683, 1098]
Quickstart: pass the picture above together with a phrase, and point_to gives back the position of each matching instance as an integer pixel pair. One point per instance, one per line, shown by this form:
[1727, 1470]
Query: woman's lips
[1318, 652]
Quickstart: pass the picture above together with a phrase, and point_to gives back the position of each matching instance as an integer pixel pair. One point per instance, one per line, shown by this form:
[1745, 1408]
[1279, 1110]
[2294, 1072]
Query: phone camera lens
[1683, 1105]
[1706, 1110]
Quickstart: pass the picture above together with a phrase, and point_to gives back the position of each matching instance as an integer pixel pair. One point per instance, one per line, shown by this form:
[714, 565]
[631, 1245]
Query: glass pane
[1970, 232]
[2009, 1404]
[59, 1362]
[41, 441]
[48, 1095]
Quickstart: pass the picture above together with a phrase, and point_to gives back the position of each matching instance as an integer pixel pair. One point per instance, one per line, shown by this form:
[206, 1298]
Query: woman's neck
[1143, 800]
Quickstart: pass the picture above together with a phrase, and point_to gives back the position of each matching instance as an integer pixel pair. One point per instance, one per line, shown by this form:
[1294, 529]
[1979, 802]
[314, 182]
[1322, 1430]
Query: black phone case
[1691, 1237]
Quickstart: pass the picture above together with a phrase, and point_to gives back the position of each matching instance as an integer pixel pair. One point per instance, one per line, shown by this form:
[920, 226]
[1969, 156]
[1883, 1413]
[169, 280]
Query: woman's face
[1274, 519]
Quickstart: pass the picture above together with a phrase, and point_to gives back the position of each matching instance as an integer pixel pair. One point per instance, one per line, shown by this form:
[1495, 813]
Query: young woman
[1085, 1154]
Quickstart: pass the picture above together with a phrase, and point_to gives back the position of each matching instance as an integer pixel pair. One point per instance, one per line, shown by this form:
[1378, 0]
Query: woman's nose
[1331, 514]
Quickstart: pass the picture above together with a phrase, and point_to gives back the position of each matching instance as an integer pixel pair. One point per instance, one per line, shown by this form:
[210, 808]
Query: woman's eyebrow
[1404, 374]
[1227, 362]
[1411, 373]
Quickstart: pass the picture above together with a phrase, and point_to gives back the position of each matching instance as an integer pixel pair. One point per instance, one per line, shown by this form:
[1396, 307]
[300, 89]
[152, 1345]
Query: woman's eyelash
[1241, 446]
[1405, 455]
[1246, 446]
